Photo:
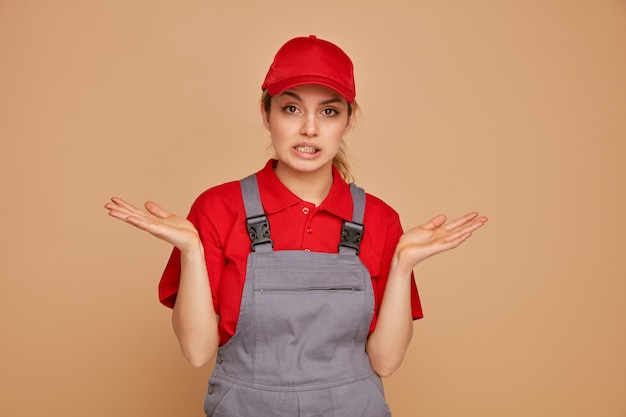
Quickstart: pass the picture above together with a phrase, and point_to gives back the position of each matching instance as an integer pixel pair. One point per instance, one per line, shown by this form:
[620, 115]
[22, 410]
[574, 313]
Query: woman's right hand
[171, 228]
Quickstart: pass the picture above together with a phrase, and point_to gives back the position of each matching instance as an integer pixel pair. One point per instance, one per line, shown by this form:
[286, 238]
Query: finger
[461, 221]
[143, 223]
[435, 222]
[458, 240]
[127, 217]
[117, 213]
[123, 213]
[126, 206]
[111, 205]
[157, 210]
[461, 234]
[450, 242]
[463, 229]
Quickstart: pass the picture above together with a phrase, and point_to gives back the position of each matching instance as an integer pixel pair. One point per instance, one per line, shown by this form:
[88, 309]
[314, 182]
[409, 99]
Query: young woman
[299, 283]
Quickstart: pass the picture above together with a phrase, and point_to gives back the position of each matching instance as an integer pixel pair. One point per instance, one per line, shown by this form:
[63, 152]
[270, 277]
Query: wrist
[398, 267]
[192, 249]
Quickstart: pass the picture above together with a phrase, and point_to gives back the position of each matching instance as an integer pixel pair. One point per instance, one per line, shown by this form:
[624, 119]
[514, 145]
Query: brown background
[515, 109]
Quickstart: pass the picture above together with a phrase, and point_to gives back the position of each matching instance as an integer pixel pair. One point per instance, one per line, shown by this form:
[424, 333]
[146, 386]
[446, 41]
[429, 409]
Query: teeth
[305, 149]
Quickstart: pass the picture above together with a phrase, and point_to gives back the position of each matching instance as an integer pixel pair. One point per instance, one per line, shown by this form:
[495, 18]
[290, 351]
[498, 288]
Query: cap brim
[286, 84]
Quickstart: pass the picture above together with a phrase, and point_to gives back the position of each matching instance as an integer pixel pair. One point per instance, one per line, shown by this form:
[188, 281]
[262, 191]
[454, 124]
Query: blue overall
[299, 345]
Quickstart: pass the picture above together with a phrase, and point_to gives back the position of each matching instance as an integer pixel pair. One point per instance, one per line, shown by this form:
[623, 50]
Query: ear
[266, 117]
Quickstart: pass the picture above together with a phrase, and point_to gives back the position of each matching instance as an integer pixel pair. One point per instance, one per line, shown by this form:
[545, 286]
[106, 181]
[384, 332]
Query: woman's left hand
[434, 237]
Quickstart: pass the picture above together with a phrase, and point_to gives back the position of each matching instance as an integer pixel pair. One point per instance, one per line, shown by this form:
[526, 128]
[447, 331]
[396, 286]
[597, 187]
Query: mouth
[306, 149]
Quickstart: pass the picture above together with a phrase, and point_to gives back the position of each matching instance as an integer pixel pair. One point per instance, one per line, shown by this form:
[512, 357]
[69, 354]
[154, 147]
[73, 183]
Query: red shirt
[220, 218]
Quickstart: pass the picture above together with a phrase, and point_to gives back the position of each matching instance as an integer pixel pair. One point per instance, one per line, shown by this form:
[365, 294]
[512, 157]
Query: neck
[312, 187]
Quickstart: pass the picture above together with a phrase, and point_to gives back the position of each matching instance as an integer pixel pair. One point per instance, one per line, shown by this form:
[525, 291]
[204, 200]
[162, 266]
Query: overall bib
[299, 345]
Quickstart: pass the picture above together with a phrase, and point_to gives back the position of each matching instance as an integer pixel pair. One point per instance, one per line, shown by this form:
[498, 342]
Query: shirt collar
[277, 197]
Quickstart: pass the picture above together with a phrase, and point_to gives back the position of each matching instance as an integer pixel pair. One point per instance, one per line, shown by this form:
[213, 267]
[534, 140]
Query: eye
[290, 109]
[330, 112]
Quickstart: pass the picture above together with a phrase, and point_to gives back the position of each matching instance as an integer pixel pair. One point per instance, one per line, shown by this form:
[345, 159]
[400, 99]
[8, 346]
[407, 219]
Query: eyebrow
[297, 97]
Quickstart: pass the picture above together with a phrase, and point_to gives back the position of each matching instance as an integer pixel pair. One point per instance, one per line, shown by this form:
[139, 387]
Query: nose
[309, 126]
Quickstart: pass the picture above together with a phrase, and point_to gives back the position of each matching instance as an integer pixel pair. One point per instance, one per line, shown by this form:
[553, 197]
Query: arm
[388, 342]
[193, 318]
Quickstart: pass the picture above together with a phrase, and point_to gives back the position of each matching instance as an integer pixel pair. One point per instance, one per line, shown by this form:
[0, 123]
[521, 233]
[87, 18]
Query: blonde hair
[340, 161]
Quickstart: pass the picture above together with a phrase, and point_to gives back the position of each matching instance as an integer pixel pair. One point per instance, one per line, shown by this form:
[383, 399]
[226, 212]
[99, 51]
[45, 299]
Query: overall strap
[352, 232]
[256, 221]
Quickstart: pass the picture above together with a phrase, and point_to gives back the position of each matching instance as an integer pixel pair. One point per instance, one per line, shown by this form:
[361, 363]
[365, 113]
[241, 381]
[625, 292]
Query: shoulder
[378, 210]
[219, 203]
[221, 194]
[228, 195]
[381, 235]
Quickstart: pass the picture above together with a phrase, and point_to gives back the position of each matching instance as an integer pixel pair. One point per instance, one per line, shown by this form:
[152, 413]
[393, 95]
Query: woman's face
[307, 124]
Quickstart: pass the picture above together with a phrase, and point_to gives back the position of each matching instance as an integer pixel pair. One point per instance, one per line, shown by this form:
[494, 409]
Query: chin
[307, 166]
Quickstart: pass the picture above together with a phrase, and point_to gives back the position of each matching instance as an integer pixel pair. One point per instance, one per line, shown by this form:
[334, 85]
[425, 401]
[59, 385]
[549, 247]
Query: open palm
[436, 236]
[171, 228]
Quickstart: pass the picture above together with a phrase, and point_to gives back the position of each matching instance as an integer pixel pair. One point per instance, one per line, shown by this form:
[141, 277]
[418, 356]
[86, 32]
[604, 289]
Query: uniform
[297, 347]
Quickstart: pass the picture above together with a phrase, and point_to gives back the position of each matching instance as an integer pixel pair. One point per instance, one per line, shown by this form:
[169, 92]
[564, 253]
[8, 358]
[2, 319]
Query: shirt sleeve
[170, 279]
[394, 232]
[168, 285]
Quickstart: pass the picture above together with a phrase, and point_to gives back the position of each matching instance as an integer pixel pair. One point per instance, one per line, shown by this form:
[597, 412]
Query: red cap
[309, 60]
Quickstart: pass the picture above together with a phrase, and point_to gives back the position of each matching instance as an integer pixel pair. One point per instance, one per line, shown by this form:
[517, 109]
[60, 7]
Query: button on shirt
[220, 218]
